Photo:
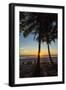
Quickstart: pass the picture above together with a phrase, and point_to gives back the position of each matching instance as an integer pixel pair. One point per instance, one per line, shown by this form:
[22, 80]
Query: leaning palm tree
[49, 37]
[29, 24]
[38, 24]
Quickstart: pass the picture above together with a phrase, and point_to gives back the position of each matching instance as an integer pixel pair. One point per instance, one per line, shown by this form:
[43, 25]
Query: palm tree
[38, 24]
[29, 24]
[50, 36]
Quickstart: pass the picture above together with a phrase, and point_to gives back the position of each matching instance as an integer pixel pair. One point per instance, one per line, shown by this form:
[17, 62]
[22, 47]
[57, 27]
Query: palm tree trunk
[37, 69]
[39, 49]
[49, 54]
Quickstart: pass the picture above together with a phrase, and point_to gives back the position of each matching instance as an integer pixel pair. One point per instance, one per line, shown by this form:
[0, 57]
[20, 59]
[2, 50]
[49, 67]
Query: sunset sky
[28, 46]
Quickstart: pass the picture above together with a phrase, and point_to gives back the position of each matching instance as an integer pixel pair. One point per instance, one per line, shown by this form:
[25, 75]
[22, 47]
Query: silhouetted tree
[44, 28]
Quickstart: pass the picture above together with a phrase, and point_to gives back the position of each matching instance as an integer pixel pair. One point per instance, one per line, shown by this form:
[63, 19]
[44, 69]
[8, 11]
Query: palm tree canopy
[44, 24]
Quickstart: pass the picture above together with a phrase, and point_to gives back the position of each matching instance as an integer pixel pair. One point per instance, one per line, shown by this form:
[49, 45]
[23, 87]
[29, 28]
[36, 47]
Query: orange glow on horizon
[35, 52]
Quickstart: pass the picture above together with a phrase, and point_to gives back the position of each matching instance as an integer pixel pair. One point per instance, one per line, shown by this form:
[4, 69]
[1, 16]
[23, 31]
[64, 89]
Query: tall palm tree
[29, 24]
[50, 36]
[41, 26]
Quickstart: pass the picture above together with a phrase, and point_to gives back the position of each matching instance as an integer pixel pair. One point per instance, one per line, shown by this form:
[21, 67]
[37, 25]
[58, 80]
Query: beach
[28, 64]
